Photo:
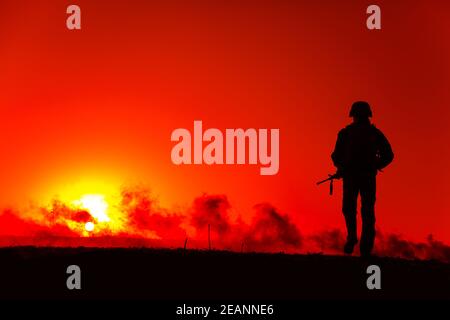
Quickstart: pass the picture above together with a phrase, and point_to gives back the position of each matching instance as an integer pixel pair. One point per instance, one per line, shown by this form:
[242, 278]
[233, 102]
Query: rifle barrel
[325, 180]
[330, 177]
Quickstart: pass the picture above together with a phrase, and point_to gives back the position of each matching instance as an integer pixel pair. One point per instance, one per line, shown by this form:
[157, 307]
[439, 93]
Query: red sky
[97, 106]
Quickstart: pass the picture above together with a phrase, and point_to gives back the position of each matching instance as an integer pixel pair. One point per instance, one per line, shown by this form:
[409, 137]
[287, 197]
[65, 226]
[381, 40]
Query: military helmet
[360, 109]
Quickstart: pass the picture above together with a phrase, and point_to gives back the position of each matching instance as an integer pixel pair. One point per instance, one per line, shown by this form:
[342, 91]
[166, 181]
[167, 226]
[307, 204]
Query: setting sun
[89, 226]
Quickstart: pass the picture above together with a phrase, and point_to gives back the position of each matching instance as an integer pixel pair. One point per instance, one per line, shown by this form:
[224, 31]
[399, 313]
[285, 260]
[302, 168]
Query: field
[175, 274]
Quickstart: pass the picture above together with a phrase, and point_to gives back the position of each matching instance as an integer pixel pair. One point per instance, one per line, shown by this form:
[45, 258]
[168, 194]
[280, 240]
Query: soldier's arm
[337, 155]
[386, 155]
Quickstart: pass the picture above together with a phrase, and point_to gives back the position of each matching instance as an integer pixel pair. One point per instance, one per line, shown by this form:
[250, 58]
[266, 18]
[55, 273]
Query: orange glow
[96, 205]
[99, 199]
[86, 113]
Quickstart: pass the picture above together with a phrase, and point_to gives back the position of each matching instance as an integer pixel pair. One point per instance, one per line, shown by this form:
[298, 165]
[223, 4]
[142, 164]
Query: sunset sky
[91, 110]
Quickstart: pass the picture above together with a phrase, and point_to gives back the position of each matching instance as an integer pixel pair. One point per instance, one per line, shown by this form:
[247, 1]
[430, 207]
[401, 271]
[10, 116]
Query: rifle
[330, 178]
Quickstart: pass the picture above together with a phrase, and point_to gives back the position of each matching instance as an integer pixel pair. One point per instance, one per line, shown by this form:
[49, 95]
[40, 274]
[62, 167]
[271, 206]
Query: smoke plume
[138, 220]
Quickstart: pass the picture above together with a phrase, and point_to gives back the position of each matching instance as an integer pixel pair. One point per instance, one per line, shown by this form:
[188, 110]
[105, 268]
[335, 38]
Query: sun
[101, 202]
[89, 226]
[96, 205]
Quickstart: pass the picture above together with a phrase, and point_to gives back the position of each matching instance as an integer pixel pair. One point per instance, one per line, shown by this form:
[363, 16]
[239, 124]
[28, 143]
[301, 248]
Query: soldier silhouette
[361, 151]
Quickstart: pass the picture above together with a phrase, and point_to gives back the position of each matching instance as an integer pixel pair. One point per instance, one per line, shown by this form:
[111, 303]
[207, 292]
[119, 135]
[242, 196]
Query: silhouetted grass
[167, 274]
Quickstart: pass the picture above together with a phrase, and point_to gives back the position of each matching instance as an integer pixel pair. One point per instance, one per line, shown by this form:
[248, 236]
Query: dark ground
[40, 273]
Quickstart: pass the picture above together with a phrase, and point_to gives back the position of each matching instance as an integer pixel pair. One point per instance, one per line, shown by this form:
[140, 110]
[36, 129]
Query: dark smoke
[143, 214]
[11, 224]
[59, 210]
[395, 246]
[271, 230]
[329, 241]
[388, 245]
[211, 210]
[149, 225]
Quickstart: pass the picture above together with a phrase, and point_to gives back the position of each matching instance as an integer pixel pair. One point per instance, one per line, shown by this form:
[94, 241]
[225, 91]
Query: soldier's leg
[368, 197]
[349, 201]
